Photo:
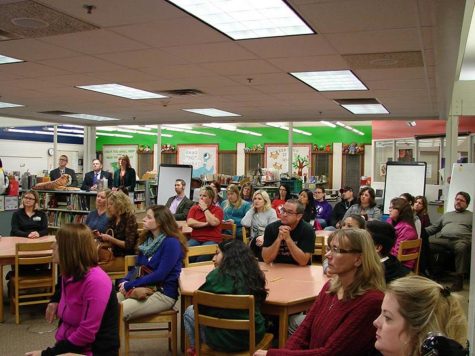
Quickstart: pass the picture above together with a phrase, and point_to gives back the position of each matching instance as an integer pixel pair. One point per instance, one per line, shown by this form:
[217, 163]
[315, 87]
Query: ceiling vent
[29, 19]
[56, 112]
[180, 92]
[384, 60]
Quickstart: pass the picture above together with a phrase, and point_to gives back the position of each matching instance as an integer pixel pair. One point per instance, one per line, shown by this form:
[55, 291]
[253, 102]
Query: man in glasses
[290, 240]
[62, 169]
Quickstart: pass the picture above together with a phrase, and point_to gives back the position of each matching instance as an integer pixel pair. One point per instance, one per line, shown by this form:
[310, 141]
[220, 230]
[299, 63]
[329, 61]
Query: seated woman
[412, 307]
[218, 199]
[205, 219]
[257, 218]
[340, 320]
[97, 220]
[365, 205]
[402, 218]
[29, 221]
[282, 197]
[421, 209]
[121, 232]
[235, 208]
[247, 192]
[152, 286]
[306, 198]
[125, 176]
[236, 272]
[88, 310]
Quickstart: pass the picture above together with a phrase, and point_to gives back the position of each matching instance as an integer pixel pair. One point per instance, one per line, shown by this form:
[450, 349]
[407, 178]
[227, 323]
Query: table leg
[185, 303]
[283, 326]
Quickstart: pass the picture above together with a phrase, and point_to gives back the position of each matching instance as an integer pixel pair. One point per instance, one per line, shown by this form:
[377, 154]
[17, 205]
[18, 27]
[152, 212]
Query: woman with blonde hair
[234, 208]
[340, 320]
[97, 220]
[257, 218]
[125, 176]
[412, 307]
[121, 232]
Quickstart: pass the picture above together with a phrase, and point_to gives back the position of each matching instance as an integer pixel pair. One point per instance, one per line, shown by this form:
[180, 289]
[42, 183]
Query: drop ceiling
[396, 48]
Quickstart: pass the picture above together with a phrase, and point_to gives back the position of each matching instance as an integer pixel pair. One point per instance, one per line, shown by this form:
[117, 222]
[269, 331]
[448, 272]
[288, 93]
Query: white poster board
[277, 158]
[111, 153]
[461, 180]
[403, 178]
[167, 175]
[203, 158]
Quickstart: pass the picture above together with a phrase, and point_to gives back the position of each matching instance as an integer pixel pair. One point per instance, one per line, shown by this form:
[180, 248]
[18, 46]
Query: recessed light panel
[212, 112]
[4, 105]
[90, 117]
[331, 80]
[6, 59]
[369, 109]
[122, 91]
[246, 19]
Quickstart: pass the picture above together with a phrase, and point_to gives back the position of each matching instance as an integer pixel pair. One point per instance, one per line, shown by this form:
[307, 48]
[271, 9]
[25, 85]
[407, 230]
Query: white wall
[337, 164]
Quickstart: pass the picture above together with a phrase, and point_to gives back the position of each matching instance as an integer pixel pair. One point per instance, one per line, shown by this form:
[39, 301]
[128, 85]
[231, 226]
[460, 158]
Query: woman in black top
[29, 221]
[125, 176]
[306, 198]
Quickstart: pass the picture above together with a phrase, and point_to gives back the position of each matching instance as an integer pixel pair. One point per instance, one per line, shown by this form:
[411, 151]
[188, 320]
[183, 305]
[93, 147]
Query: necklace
[334, 300]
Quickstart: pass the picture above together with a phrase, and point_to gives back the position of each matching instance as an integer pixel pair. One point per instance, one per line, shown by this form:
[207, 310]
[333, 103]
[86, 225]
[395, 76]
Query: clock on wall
[50, 151]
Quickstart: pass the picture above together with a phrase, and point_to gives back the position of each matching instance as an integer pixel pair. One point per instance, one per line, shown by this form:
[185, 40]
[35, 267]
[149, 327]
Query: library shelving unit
[145, 194]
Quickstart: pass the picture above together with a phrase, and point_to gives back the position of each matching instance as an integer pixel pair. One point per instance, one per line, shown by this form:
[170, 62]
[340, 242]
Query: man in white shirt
[92, 178]
[179, 204]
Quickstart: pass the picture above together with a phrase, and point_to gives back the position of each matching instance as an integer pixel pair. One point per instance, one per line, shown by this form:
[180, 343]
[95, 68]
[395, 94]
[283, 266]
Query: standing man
[290, 240]
[322, 207]
[62, 169]
[93, 177]
[179, 205]
[455, 229]
[347, 200]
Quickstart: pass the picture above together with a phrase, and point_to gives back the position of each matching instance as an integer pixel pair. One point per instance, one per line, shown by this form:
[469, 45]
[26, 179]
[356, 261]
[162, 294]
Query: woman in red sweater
[340, 320]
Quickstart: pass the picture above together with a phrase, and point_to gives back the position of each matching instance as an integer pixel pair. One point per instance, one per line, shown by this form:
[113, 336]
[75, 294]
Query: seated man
[322, 207]
[290, 240]
[62, 169]
[455, 229]
[92, 178]
[339, 211]
[179, 204]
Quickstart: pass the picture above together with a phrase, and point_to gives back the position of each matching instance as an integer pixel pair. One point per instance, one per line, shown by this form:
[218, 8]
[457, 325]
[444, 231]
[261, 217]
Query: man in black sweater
[347, 200]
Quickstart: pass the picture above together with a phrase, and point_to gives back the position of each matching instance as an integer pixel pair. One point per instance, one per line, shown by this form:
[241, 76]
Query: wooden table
[292, 289]
[7, 257]
[185, 229]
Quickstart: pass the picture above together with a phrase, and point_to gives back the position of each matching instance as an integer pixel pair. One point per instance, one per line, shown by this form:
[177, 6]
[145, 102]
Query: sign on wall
[277, 158]
[203, 158]
[111, 153]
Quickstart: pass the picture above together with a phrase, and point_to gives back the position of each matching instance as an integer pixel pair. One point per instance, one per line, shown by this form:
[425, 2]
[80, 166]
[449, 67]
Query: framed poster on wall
[203, 158]
[111, 153]
[277, 157]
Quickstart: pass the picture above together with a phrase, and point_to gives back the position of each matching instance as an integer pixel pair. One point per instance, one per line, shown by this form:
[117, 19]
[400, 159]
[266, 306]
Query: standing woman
[235, 208]
[88, 310]
[125, 176]
[98, 220]
[307, 200]
[247, 192]
[280, 200]
[124, 226]
[402, 218]
[257, 218]
[365, 205]
[420, 208]
[29, 221]
[162, 248]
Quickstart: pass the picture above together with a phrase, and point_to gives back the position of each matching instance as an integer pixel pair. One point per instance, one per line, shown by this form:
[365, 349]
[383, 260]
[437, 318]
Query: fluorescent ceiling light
[245, 19]
[136, 127]
[285, 127]
[122, 91]
[91, 117]
[193, 132]
[411, 123]
[331, 80]
[65, 130]
[76, 126]
[327, 123]
[112, 135]
[349, 128]
[4, 105]
[229, 127]
[49, 133]
[120, 129]
[361, 109]
[7, 60]
[211, 112]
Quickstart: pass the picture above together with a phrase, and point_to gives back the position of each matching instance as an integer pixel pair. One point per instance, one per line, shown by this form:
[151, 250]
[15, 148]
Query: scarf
[151, 245]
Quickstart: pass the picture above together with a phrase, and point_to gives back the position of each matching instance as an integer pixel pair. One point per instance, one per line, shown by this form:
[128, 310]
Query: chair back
[320, 248]
[33, 253]
[129, 261]
[194, 251]
[245, 235]
[228, 230]
[409, 250]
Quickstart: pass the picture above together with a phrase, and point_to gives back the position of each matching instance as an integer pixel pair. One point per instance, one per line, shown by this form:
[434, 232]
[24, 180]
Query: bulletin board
[461, 180]
[203, 158]
[276, 158]
[111, 153]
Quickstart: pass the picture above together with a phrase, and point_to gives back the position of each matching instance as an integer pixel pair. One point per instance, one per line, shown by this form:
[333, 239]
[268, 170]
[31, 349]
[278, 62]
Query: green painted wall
[227, 140]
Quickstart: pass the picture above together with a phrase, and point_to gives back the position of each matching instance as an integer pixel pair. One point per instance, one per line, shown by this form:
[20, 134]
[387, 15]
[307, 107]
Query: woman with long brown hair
[125, 176]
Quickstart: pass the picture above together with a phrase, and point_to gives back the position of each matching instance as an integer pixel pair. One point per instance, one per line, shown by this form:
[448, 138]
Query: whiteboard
[203, 158]
[403, 178]
[167, 175]
[461, 180]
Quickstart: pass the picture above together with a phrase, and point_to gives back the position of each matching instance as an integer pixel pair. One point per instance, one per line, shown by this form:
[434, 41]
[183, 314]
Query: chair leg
[17, 312]
[126, 337]
[169, 338]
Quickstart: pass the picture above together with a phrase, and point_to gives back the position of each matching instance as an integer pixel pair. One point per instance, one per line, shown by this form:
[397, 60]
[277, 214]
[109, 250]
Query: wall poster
[203, 158]
[276, 158]
[111, 153]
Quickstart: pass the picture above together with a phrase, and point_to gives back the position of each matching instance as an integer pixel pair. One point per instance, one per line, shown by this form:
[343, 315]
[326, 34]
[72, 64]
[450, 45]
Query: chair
[199, 251]
[147, 331]
[245, 235]
[404, 254]
[35, 287]
[320, 247]
[225, 228]
[227, 301]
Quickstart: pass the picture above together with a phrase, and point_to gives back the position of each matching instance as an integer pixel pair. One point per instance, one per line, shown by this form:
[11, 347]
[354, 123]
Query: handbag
[141, 293]
[104, 249]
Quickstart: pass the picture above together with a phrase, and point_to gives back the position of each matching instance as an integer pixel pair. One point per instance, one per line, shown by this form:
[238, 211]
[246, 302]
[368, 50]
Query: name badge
[36, 218]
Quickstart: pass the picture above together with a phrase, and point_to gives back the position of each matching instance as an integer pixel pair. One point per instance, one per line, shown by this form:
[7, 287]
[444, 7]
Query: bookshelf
[145, 194]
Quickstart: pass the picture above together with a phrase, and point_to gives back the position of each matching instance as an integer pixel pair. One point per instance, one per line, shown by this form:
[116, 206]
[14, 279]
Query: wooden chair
[148, 331]
[28, 288]
[199, 251]
[245, 235]
[320, 247]
[404, 254]
[227, 301]
[225, 228]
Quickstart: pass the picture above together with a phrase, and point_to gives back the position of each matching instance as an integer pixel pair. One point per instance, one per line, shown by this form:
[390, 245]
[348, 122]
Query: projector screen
[167, 175]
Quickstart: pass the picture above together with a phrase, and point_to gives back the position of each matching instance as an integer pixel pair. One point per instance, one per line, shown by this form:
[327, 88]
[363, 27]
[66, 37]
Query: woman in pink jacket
[401, 217]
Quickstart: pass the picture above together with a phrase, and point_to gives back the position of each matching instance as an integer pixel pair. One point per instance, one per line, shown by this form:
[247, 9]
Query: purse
[141, 293]
[104, 249]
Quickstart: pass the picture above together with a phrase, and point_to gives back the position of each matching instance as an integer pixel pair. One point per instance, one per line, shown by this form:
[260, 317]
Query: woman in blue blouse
[152, 286]
[98, 220]
[235, 208]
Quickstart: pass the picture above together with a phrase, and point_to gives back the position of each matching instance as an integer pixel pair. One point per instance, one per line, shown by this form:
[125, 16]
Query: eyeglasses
[63, 159]
[29, 198]
[334, 250]
[286, 212]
